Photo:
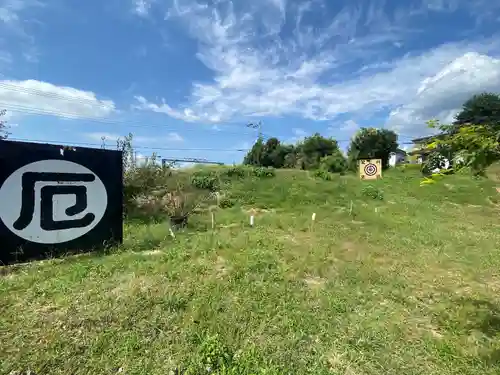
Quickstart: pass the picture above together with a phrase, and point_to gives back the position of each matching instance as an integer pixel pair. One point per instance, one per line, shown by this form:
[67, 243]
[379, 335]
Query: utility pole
[257, 126]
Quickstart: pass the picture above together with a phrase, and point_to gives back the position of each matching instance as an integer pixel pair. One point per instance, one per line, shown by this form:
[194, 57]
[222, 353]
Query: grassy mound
[392, 278]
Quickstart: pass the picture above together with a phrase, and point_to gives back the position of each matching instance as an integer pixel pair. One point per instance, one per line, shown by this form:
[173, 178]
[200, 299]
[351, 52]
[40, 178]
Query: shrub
[236, 171]
[207, 180]
[435, 160]
[373, 192]
[262, 172]
[335, 163]
[323, 174]
[226, 202]
[143, 181]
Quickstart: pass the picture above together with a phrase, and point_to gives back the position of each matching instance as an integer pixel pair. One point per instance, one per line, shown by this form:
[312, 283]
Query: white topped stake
[313, 219]
[251, 220]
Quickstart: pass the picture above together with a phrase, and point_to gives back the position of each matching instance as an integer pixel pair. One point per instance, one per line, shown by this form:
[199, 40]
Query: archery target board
[370, 169]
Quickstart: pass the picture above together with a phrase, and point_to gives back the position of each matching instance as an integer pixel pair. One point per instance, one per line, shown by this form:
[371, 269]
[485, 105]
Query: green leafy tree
[291, 157]
[335, 163]
[271, 153]
[477, 145]
[3, 126]
[482, 109]
[278, 156]
[254, 156]
[312, 149]
[372, 143]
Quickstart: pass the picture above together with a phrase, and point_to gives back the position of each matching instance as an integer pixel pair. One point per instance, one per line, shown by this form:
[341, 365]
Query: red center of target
[370, 169]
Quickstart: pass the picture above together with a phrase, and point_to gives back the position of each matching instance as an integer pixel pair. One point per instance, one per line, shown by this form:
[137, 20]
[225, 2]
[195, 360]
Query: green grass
[405, 282]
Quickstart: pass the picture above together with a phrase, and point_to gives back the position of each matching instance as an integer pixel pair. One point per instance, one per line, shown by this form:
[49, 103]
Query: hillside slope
[392, 278]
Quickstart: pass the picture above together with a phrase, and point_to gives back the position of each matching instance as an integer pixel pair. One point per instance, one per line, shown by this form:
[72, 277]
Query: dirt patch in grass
[221, 267]
[315, 282]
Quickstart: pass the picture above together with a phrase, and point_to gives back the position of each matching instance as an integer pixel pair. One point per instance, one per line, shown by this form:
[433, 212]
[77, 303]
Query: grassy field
[403, 280]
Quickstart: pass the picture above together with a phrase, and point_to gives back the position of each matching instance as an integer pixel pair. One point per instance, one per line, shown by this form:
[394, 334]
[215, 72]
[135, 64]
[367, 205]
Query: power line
[133, 124]
[134, 146]
[57, 142]
[52, 95]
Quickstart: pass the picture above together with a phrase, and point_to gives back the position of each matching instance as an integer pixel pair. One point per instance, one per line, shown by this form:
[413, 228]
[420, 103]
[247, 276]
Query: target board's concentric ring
[370, 169]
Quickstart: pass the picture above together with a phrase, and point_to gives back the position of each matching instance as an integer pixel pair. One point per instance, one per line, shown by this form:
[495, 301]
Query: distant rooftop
[428, 138]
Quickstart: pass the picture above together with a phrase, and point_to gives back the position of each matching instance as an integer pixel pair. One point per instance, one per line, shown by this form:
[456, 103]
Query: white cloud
[7, 15]
[298, 135]
[185, 115]
[349, 65]
[142, 7]
[11, 13]
[36, 97]
[346, 130]
[19, 27]
[441, 96]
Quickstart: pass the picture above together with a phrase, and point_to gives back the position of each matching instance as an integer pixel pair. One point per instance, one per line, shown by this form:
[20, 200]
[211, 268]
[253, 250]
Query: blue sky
[185, 76]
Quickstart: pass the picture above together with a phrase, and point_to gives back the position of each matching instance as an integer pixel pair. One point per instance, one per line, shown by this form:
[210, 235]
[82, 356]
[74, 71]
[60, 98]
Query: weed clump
[372, 192]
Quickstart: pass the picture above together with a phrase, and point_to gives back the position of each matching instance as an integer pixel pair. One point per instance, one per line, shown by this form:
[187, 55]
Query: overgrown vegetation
[394, 276]
[478, 146]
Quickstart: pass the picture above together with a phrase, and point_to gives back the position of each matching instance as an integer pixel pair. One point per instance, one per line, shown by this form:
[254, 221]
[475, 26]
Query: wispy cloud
[142, 7]
[347, 63]
[18, 25]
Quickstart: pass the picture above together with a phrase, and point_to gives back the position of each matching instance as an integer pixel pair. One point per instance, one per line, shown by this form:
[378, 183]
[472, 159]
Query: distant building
[421, 151]
[398, 157]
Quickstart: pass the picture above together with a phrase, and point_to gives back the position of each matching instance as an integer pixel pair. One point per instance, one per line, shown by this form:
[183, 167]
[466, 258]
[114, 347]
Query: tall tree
[481, 109]
[372, 143]
[312, 149]
[254, 155]
[3, 127]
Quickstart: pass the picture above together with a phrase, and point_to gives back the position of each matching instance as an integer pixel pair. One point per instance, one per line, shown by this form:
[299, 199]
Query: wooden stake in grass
[213, 220]
[313, 219]
[251, 220]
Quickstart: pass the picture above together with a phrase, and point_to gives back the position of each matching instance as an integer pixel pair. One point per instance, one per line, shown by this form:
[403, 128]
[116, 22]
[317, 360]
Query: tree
[477, 145]
[3, 127]
[254, 156]
[306, 154]
[312, 149]
[481, 109]
[272, 153]
[335, 163]
[372, 143]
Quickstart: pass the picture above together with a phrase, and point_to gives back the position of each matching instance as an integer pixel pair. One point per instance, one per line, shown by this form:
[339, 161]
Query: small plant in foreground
[262, 172]
[236, 171]
[226, 202]
[323, 174]
[373, 192]
[205, 180]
